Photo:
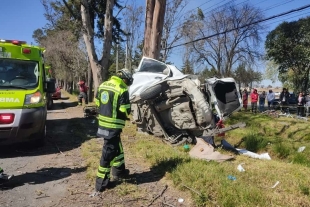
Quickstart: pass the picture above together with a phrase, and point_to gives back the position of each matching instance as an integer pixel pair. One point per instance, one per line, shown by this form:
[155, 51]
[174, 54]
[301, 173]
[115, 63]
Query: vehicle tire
[40, 138]
[151, 92]
[50, 103]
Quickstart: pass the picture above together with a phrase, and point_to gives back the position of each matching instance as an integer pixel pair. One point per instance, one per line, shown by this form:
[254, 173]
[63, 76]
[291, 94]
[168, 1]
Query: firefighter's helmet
[125, 75]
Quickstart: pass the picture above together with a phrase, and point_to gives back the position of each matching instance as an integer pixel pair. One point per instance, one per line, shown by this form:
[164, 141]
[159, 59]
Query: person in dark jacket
[262, 99]
[284, 97]
[113, 104]
[301, 102]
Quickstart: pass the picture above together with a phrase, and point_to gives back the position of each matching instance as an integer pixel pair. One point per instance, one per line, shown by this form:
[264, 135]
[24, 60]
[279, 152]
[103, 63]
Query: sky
[19, 18]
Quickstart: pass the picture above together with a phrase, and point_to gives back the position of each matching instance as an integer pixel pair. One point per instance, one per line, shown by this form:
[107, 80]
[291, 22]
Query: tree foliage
[288, 45]
[246, 76]
[187, 67]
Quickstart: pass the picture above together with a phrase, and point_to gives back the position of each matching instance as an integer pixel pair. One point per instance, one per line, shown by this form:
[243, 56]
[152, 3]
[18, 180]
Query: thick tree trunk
[155, 14]
[88, 35]
[107, 44]
[157, 28]
[150, 5]
[99, 68]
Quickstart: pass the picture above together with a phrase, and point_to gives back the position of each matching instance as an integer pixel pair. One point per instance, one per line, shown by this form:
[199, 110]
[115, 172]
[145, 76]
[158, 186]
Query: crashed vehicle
[178, 107]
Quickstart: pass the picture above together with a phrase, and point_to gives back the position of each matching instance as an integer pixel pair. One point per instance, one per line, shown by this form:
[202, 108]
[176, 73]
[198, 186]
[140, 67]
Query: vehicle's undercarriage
[178, 108]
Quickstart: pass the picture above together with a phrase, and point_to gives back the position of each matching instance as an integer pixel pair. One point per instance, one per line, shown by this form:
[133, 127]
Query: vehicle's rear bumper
[27, 125]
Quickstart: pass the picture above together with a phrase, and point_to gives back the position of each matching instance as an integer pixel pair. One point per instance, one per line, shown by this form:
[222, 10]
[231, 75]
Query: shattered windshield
[149, 65]
[18, 74]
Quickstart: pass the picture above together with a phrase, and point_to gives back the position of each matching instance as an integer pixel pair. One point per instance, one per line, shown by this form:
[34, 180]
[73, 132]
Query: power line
[277, 5]
[256, 22]
[282, 20]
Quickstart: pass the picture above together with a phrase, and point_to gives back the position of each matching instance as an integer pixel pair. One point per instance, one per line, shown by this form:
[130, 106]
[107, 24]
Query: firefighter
[113, 104]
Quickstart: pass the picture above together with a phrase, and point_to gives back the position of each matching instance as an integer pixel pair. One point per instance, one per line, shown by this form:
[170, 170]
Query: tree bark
[90, 84]
[157, 28]
[107, 44]
[150, 5]
[88, 36]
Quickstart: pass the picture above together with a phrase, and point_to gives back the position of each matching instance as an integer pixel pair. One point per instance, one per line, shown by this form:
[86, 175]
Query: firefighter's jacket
[113, 104]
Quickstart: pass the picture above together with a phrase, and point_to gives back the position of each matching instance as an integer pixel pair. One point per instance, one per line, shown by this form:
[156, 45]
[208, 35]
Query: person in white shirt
[270, 99]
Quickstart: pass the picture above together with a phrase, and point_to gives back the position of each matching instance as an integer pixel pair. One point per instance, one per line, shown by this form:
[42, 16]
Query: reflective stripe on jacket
[113, 103]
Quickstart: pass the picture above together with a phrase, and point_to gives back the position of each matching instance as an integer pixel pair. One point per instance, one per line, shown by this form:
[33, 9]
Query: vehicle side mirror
[50, 85]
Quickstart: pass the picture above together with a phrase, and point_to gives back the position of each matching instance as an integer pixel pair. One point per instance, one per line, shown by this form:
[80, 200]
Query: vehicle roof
[14, 51]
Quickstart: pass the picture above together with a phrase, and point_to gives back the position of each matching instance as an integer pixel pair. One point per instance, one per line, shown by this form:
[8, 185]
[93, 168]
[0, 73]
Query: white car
[169, 104]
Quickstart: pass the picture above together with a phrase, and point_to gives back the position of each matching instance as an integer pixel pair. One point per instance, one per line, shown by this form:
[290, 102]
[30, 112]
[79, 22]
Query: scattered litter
[230, 177]
[186, 147]
[264, 156]
[275, 184]
[180, 200]
[300, 149]
[240, 168]
[96, 193]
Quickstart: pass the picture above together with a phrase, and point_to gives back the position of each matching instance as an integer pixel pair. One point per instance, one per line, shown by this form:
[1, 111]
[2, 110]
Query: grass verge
[208, 182]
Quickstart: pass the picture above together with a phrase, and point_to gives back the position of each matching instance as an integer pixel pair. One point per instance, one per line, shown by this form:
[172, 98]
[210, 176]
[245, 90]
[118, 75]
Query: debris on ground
[264, 156]
[204, 150]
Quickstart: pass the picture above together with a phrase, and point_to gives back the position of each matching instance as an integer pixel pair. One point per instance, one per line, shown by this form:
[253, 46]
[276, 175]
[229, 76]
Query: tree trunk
[90, 84]
[157, 28]
[71, 87]
[88, 35]
[150, 4]
[107, 44]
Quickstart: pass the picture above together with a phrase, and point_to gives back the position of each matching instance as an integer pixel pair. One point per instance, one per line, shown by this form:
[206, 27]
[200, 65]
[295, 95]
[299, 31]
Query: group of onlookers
[270, 97]
[255, 97]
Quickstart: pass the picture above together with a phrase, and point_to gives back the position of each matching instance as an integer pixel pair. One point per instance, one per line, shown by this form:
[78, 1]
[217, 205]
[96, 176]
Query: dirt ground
[55, 175]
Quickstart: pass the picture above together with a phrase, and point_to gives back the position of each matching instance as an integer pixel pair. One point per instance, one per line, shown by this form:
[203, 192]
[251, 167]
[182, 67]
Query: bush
[282, 150]
[254, 142]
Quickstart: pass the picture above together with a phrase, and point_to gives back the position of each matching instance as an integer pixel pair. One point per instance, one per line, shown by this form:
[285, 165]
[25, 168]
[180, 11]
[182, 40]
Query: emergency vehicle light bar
[15, 42]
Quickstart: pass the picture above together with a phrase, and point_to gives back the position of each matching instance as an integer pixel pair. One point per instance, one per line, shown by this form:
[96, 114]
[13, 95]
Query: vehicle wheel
[41, 138]
[50, 103]
[151, 92]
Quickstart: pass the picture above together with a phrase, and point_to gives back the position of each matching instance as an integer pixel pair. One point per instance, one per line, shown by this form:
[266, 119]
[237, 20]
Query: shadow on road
[43, 175]
[62, 105]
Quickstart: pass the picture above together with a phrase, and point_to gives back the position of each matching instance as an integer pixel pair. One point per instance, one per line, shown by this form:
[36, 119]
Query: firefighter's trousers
[112, 158]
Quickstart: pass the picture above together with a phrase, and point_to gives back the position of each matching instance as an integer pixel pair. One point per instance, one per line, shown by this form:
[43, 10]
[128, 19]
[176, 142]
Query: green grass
[208, 183]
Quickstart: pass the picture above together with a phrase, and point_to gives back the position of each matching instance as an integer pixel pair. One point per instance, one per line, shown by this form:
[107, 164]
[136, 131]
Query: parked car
[57, 94]
[178, 107]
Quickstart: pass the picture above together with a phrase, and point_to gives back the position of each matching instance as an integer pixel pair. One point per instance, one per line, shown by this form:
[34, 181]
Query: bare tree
[155, 14]
[133, 17]
[172, 25]
[234, 38]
